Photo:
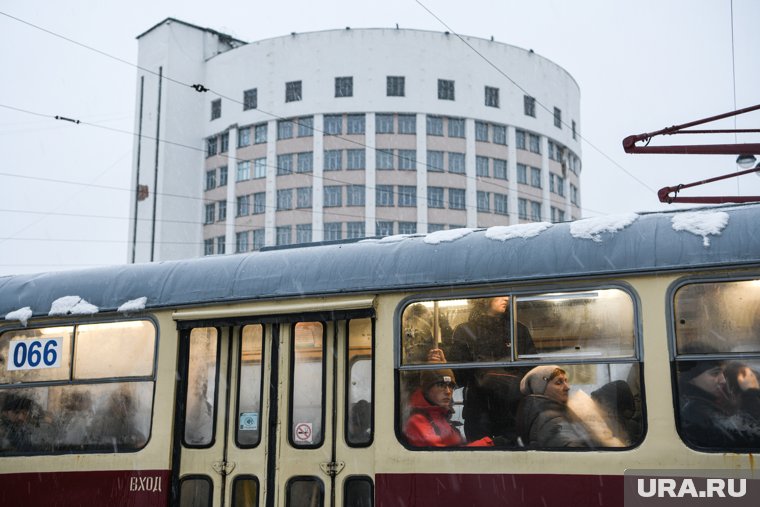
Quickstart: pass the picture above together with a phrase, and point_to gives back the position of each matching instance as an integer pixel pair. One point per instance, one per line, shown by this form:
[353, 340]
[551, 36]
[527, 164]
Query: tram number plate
[34, 354]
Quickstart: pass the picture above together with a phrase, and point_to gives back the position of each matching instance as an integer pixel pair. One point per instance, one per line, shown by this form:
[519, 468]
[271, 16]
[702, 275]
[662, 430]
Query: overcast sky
[641, 66]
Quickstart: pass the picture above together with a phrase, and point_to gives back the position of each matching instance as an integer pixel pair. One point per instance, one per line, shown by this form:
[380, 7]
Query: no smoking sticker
[302, 433]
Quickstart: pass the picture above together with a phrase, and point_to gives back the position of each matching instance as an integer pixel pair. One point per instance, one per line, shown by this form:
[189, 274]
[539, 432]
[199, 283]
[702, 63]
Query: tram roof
[649, 243]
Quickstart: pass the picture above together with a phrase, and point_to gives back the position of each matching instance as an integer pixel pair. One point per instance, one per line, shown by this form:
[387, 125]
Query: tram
[284, 377]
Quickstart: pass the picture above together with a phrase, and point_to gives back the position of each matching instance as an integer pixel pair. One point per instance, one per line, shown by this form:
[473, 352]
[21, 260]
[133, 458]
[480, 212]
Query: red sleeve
[483, 442]
[420, 433]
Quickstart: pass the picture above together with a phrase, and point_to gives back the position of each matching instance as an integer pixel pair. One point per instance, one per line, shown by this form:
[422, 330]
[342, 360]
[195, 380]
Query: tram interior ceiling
[746, 156]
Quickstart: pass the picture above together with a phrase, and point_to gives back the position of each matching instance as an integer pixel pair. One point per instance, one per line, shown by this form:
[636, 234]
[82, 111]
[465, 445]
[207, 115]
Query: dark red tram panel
[494, 490]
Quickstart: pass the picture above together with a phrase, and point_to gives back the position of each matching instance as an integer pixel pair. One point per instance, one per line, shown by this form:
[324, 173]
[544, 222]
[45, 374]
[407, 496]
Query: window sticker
[35, 354]
[303, 433]
[249, 421]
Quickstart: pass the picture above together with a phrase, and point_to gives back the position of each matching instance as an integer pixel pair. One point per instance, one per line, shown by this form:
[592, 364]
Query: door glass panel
[304, 492]
[307, 399]
[245, 492]
[359, 425]
[358, 492]
[201, 387]
[249, 404]
[195, 492]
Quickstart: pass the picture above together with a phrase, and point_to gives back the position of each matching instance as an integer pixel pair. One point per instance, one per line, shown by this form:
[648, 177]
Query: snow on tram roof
[596, 246]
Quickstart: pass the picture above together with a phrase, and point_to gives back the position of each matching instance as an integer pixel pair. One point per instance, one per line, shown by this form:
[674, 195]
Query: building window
[436, 227]
[221, 245]
[293, 91]
[284, 234]
[355, 160]
[407, 124]
[435, 161]
[384, 195]
[535, 143]
[355, 195]
[211, 146]
[333, 124]
[535, 211]
[306, 126]
[573, 126]
[284, 164]
[522, 174]
[573, 194]
[445, 89]
[333, 196]
[241, 242]
[552, 152]
[492, 96]
[535, 177]
[208, 246]
[522, 208]
[221, 207]
[384, 159]
[243, 205]
[500, 204]
[333, 160]
[484, 201]
[284, 129]
[258, 239]
[243, 170]
[211, 179]
[305, 162]
[223, 176]
[407, 228]
[435, 197]
[285, 199]
[499, 134]
[434, 125]
[456, 127]
[456, 163]
[558, 215]
[259, 203]
[407, 160]
[407, 196]
[303, 197]
[383, 228]
[224, 142]
[216, 109]
[250, 99]
[354, 230]
[333, 231]
[244, 137]
[520, 140]
[384, 123]
[481, 166]
[260, 133]
[355, 124]
[260, 168]
[395, 86]
[303, 233]
[529, 103]
[500, 169]
[456, 198]
[344, 86]
[481, 131]
[209, 216]
[557, 118]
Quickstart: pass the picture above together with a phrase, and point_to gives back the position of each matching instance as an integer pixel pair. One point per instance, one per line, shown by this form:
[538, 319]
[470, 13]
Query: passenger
[617, 402]
[744, 388]
[544, 419]
[429, 424]
[15, 421]
[492, 395]
[117, 428]
[420, 343]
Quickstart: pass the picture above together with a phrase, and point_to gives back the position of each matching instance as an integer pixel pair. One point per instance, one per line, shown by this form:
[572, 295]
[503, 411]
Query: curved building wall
[351, 133]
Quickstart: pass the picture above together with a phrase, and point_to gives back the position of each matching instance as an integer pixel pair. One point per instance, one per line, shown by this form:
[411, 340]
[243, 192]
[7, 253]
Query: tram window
[116, 349]
[304, 492]
[249, 403]
[717, 365]
[195, 491]
[481, 397]
[307, 386]
[201, 387]
[245, 491]
[64, 415]
[357, 492]
[360, 365]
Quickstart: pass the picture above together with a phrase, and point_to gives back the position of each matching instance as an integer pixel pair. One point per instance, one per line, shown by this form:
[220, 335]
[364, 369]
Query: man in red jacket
[429, 424]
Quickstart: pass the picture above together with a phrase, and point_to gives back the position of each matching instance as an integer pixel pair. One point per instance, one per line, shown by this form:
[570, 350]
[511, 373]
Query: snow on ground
[22, 315]
[505, 232]
[701, 223]
[446, 235]
[133, 305]
[73, 305]
[592, 228]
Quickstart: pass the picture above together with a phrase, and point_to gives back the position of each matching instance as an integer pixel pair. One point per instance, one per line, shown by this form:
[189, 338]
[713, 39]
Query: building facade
[343, 134]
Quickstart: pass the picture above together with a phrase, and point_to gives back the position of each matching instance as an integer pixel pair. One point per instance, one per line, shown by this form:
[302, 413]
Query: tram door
[277, 413]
